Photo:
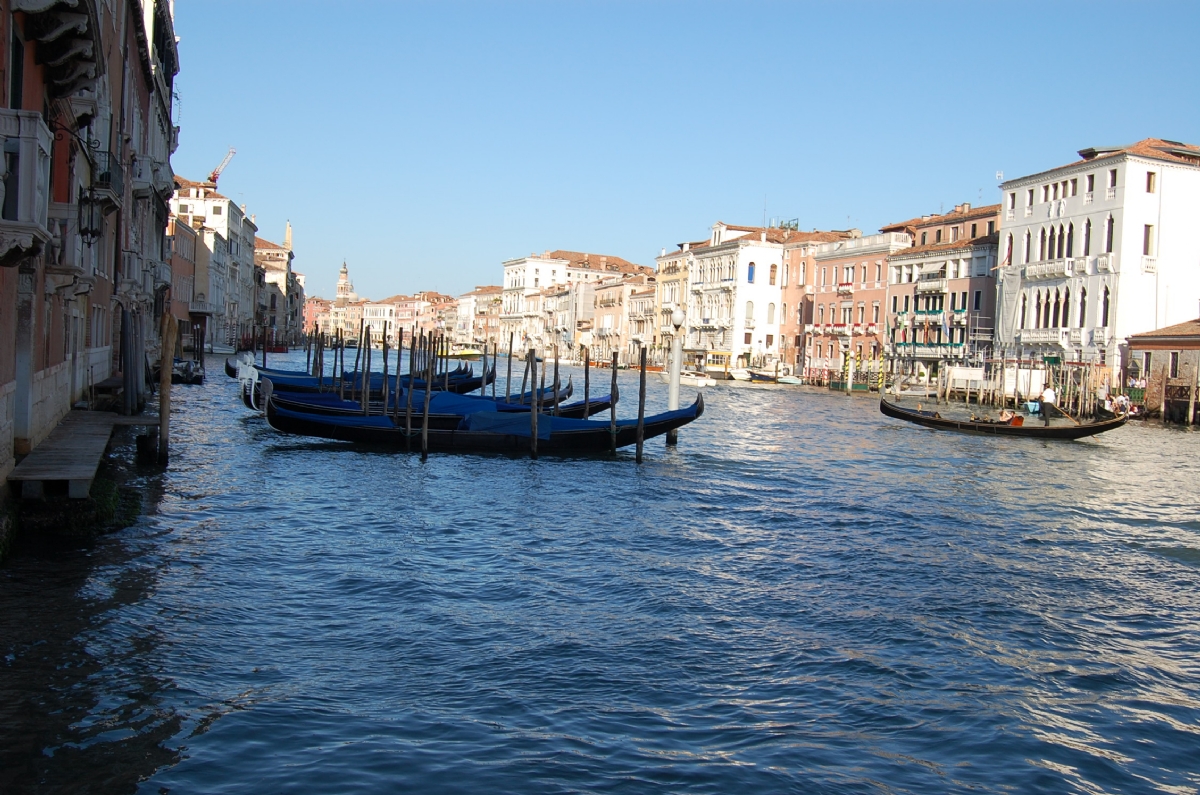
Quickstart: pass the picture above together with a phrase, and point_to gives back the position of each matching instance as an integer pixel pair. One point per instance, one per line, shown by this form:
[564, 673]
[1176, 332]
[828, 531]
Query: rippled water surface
[803, 596]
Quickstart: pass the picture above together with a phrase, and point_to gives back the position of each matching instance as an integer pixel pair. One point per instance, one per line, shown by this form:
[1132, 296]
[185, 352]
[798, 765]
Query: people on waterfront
[1006, 416]
[1049, 398]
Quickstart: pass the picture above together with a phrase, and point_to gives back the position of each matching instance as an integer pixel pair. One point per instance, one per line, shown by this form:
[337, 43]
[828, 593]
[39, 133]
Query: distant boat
[789, 380]
[466, 353]
[689, 378]
[739, 374]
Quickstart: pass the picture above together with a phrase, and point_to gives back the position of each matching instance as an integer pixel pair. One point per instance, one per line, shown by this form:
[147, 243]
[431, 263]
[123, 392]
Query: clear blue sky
[425, 143]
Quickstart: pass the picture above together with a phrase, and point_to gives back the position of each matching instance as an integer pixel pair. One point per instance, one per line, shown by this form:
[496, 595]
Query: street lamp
[677, 318]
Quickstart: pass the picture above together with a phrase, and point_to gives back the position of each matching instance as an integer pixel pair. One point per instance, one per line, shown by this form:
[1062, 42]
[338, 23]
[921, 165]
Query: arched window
[1037, 310]
[750, 274]
[1024, 306]
[770, 313]
[786, 273]
[1008, 251]
[1071, 240]
[1087, 237]
[774, 271]
[1066, 308]
[783, 314]
[1082, 307]
[1061, 241]
[1108, 235]
[750, 310]
[1104, 309]
[820, 313]
[1048, 253]
[1028, 243]
[1042, 245]
[1046, 310]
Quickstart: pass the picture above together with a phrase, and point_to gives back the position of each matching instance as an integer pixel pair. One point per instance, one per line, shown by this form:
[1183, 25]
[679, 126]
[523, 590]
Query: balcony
[108, 178]
[958, 317]
[1101, 337]
[1149, 264]
[160, 271]
[933, 316]
[937, 285]
[1089, 197]
[1111, 193]
[845, 288]
[1028, 211]
[872, 328]
[1075, 337]
[24, 226]
[706, 322]
[841, 329]
[1044, 336]
[1051, 269]
[749, 324]
[1010, 215]
[202, 308]
[1106, 263]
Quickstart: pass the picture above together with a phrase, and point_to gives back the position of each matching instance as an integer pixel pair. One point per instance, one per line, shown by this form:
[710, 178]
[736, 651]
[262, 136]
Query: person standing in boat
[1049, 398]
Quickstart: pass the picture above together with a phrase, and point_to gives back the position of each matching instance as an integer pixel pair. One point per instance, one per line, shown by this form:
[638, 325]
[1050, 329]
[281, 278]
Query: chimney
[761, 236]
[287, 237]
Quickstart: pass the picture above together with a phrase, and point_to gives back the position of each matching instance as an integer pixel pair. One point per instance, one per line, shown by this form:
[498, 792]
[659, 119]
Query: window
[1045, 193]
[1074, 187]
[1029, 198]
[774, 271]
[1104, 309]
[1082, 307]
[786, 270]
[973, 230]
[875, 312]
[1071, 240]
[895, 302]
[878, 271]
[954, 234]
[1148, 240]
[217, 211]
[750, 310]
[783, 313]
[1012, 201]
[1146, 359]
[183, 208]
[937, 236]
[1112, 178]
[820, 313]
[750, 274]
[1024, 308]
[906, 303]
[1108, 235]
[747, 337]
[1090, 180]
[770, 314]
[1151, 181]
[1055, 191]
[1087, 237]
[1174, 364]
[770, 340]
[923, 235]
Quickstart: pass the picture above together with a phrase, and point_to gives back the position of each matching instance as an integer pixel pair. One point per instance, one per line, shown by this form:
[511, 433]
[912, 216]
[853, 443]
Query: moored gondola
[932, 419]
[498, 432]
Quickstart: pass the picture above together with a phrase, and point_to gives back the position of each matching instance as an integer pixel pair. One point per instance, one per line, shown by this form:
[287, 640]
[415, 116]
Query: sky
[424, 143]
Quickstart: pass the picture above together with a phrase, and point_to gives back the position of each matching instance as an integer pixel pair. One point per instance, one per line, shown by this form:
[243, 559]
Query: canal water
[803, 596]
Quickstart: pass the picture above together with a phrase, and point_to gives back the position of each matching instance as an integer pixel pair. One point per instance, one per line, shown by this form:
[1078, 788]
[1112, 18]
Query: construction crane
[216, 172]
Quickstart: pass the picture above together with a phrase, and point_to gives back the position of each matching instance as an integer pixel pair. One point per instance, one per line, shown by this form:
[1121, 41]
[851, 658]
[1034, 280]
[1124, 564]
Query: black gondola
[931, 419]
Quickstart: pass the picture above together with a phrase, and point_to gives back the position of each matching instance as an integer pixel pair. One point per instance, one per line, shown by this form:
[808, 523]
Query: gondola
[252, 396]
[442, 413]
[487, 432]
[931, 419]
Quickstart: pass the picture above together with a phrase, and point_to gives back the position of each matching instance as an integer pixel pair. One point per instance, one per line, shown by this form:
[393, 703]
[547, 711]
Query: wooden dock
[70, 454]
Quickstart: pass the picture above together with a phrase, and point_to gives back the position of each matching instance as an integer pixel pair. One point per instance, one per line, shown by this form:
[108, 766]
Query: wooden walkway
[70, 454]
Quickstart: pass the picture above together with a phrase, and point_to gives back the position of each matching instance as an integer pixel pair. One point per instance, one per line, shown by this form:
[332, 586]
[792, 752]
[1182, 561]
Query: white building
[734, 291]
[526, 277]
[1100, 249]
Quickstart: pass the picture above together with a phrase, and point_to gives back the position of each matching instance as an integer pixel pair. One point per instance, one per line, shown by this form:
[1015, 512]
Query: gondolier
[1049, 398]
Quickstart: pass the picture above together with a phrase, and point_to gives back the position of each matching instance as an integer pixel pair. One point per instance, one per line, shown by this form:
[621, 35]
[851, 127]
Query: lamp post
[676, 369]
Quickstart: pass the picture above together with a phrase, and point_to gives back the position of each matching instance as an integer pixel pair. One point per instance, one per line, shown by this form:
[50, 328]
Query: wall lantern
[91, 217]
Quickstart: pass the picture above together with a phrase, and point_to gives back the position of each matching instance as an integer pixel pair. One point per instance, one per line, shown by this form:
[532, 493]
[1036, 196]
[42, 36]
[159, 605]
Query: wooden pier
[71, 454]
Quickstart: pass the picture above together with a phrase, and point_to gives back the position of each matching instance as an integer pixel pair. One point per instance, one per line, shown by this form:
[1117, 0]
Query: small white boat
[739, 374]
[689, 378]
[789, 380]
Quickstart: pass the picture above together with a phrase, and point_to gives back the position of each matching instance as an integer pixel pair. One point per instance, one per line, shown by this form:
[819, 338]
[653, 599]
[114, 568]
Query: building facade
[1099, 250]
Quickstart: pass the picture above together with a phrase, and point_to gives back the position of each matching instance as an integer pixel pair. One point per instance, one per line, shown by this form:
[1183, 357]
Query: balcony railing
[1106, 263]
[1111, 193]
[202, 308]
[108, 178]
[1010, 215]
[931, 285]
[1044, 336]
[1089, 197]
[1051, 269]
[1028, 211]
[842, 329]
[845, 288]
[1149, 264]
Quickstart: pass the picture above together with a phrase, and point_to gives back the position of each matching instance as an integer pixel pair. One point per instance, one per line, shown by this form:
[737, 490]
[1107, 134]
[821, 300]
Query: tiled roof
[210, 190]
[1155, 148]
[260, 242]
[1189, 328]
[981, 240]
[952, 217]
[777, 234]
[581, 259]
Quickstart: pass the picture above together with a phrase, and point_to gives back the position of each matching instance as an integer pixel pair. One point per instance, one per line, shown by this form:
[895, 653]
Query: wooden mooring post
[612, 412]
[533, 404]
[641, 423]
[166, 364]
